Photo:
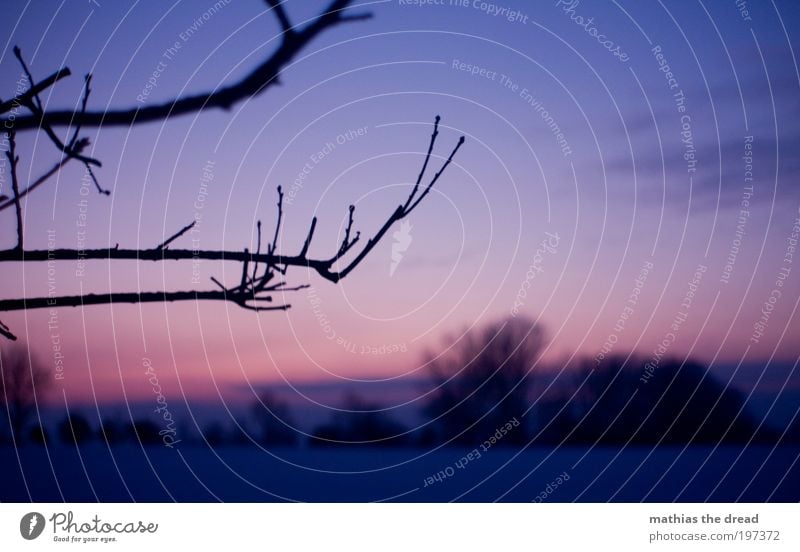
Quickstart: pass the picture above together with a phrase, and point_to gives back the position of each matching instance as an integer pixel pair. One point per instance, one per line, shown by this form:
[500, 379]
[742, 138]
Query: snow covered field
[199, 474]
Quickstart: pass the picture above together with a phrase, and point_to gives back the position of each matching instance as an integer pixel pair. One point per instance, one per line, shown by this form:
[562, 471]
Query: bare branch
[304, 251]
[87, 89]
[13, 159]
[132, 297]
[258, 250]
[402, 211]
[280, 15]
[5, 332]
[96, 183]
[177, 235]
[38, 182]
[425, 163]
[35, 97]
[436, 176]
[252, 290]
[245, 263]
[75, 146]
[34, 90]
[272, 259]
[346, 243]
[273, 248]
[256, 82]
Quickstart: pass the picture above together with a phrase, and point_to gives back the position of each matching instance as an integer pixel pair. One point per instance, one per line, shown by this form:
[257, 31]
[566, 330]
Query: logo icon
[402, 240]
[31, 525]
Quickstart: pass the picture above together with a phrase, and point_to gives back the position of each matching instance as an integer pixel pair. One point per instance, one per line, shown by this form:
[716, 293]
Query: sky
[628, 181]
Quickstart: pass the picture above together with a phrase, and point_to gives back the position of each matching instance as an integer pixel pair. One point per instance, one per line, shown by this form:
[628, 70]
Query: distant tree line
[480, 382]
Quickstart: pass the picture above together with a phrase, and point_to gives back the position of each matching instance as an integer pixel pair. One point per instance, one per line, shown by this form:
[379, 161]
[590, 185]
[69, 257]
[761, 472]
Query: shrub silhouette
[74, 429]
[39, 435]
[273, 421]
[360, 423]
[482, 382]
[144, 431]
[679, 403]
[215, 434]
[112, 432]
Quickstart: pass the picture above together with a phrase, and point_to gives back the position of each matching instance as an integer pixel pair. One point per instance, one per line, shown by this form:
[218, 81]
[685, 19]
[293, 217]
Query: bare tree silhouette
[23, 382]
[482, 381]
[261, 272]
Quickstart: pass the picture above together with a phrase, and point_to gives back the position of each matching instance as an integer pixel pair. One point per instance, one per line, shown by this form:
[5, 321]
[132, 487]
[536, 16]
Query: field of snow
[247, 474]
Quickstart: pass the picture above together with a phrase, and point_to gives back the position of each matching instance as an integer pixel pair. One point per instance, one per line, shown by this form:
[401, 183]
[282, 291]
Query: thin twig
[425, 163]
[75, 146]
[258, 250]
[87, 89]
[177, 235]
[436, 176]
[274, 246]
[38, 182]
[309, 237]
[35, 97]
[13, 159]
[35, 89]
[5, 332]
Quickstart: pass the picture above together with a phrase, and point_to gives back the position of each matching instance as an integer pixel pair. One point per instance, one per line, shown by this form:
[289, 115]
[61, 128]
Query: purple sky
[627, 193]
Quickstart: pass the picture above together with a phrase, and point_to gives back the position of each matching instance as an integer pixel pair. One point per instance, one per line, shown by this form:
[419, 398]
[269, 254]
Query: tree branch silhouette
[253, 289]
[265, 75]
[13, 159]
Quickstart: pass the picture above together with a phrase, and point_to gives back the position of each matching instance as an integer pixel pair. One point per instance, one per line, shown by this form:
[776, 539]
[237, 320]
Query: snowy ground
[198, 474]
